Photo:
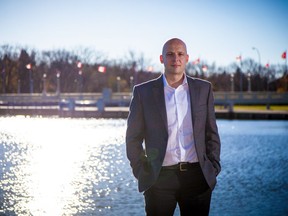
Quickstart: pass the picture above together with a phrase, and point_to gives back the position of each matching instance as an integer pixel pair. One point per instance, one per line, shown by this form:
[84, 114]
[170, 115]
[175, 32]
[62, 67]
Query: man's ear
[161, 59]
[187, 58]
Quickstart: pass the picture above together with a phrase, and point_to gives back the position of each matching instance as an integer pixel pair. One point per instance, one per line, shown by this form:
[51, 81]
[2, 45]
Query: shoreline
[122, 112]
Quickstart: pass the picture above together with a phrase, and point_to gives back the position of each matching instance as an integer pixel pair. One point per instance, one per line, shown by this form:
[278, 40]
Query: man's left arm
[213, 143]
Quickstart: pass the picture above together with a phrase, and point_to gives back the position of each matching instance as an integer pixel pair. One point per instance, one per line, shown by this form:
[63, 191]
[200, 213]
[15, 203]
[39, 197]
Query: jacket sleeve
[135, 133]
[213, 144]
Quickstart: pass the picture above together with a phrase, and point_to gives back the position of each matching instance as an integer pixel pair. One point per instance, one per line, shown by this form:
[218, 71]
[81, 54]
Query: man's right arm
[135, 133]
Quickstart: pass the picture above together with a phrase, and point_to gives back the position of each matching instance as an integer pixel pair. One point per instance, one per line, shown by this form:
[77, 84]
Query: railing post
[100, 105]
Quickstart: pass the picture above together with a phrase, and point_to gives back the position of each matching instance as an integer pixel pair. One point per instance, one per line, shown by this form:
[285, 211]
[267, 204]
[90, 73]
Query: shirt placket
[181, 153]
[175, 144]
[180, 122]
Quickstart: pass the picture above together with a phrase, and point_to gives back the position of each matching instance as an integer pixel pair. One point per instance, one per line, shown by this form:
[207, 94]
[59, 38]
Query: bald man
[172, 139]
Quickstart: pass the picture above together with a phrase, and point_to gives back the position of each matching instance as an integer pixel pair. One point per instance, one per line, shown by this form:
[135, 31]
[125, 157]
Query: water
[61, 167]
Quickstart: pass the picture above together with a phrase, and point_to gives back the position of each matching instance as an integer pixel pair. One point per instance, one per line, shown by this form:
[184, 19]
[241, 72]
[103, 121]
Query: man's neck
[174, 80]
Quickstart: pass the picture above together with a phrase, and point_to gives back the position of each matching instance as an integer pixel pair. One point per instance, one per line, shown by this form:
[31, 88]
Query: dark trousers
[188, 189]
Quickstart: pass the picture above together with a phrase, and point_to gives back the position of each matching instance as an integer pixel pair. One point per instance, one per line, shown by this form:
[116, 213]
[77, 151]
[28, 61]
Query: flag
[102, 69]
[284, 55]
[238, 58]
[197, 61]
[204, 68]
[267, 65]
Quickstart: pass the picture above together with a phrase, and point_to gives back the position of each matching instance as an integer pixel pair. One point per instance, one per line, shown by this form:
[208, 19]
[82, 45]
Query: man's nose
[176, 57]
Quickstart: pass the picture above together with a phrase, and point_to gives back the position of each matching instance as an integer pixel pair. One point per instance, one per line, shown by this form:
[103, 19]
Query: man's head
[174, 56]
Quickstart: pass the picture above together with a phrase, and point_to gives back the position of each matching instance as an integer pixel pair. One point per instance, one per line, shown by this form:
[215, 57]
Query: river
[64, 166]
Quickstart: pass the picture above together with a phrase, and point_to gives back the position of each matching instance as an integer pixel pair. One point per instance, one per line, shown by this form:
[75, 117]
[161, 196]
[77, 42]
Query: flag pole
[286, 72]
[284, 56]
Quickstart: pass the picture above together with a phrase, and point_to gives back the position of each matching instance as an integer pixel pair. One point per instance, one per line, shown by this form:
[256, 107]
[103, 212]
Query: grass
[257, 107]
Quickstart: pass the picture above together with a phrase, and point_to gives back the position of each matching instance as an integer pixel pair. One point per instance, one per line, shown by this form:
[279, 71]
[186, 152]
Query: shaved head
[173, 40]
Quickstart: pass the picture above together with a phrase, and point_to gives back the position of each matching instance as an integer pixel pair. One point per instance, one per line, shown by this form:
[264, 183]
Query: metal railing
[123, 98]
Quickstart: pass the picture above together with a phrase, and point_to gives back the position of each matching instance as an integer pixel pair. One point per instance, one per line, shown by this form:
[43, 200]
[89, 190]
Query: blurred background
[91, 43]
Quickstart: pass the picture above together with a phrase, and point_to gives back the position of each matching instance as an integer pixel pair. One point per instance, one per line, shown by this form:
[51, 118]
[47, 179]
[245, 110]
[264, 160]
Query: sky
[216, 31]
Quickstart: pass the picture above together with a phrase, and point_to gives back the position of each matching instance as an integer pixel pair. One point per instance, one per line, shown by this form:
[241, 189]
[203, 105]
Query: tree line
[25, 70]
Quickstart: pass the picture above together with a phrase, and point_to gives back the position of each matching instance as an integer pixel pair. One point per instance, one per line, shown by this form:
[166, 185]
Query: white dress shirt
[180, 146]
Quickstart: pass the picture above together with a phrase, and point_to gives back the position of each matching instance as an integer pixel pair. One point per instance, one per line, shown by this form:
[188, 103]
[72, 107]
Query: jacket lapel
[159, 98]
[193, 91]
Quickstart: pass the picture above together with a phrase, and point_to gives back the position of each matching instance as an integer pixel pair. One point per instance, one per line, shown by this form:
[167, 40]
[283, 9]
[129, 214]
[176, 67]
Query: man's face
[174, 57]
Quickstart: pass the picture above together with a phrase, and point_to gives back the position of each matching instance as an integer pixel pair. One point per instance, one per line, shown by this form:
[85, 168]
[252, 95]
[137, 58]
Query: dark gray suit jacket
[147, 122]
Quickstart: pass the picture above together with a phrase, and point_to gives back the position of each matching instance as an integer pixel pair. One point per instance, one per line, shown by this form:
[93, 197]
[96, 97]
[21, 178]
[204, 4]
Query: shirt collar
[167, 84]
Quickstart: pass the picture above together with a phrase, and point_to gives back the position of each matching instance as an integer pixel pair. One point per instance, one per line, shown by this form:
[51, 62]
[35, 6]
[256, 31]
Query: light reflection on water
[56, 166]
[61, 166]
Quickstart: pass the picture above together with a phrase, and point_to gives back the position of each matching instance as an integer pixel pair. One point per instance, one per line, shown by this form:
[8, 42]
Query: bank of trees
[25, 70]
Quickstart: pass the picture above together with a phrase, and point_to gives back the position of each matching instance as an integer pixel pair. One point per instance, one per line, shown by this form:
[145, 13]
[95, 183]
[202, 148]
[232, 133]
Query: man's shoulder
[198, 81]
[150, 83]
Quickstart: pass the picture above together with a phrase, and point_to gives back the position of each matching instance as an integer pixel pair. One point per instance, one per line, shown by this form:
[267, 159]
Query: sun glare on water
[58, 155]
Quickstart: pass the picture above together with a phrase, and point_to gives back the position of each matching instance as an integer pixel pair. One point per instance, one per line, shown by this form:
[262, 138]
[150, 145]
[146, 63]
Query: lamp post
[249, 82]
[80, 81]
[268, 76]
[118, 83]
[131, 83]
[232, 82]
[3, 81]
[44, 84]
[205, 70]
[80, 85]
[58, 83]
[29, 67]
